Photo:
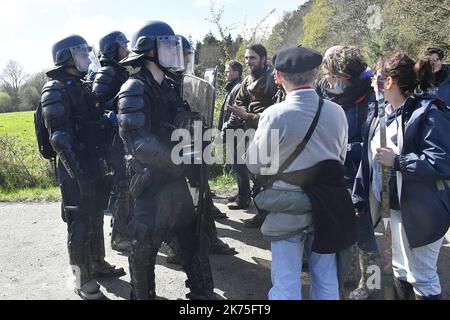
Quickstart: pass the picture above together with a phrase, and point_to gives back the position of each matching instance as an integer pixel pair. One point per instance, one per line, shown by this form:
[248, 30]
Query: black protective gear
[146, 39]
[56, 115]
[110, 43]
[106, 86]
[139, 127]
[164, 209]
[61, 49]
[76, 134]
[107, 83]
[87, 186]
[71, 52]
[121, 208]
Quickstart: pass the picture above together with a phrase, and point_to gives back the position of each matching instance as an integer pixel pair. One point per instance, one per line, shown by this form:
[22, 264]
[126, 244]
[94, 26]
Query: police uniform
[76, 131]
[164, 208]
[106, 86]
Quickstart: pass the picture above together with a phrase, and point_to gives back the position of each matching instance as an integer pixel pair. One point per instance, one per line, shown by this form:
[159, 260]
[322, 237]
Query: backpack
[42, 136]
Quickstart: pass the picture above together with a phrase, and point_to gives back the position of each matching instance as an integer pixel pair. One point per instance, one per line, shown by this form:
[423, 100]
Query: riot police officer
[148, 111]
[76, 130]
[217, 246]
[106, 85]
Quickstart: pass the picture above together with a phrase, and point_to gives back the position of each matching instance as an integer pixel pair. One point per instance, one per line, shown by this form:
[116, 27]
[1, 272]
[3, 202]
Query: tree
[30, 92]
[316, 24]
[414, 25]
[5, 102]
[12, 78]
[288, 30]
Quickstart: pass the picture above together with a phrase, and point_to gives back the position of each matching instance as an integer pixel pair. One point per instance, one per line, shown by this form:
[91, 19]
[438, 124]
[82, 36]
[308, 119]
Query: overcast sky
[28, 28]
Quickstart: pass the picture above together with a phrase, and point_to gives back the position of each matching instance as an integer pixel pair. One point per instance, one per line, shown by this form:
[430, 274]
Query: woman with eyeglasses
[418, 155]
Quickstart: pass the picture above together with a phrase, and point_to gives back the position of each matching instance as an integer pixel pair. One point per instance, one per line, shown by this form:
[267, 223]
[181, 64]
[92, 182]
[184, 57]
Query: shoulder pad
[105, 75]
[52, 101]
[53, 85]
[52, 92]
[131, 96]
[132, 87]
[103, 85]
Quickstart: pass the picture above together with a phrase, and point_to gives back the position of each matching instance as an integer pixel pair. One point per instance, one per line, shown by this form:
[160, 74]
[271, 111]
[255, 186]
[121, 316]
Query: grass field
[24, 174]
[19, 125]
[17, 129]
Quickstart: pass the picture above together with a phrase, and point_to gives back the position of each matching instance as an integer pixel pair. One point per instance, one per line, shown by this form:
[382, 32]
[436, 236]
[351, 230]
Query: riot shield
[200, 95]
[210, 75]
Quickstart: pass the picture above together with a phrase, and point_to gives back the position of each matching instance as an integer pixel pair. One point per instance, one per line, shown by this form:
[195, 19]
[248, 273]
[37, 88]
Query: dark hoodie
[356, 99]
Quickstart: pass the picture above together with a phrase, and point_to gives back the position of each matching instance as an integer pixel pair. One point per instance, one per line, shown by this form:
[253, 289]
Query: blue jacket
[443, 91]
[425, 166]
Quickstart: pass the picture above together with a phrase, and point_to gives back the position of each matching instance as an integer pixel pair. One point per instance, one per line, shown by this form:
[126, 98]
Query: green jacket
[256, 96]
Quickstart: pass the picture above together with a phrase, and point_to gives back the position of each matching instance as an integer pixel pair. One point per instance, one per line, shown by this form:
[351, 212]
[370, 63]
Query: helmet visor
[95, 65]
[189, 62]
[80, 55]
[170, 52]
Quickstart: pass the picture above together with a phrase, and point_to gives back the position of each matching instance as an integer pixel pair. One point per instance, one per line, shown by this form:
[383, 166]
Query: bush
[22, 167]
[5, 102]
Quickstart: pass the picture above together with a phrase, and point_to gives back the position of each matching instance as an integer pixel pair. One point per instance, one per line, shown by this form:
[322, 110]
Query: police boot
[142, 273]
[200, 281]
[85, 286]
[403, 289]
[366, 259]
[120, 243]
[102, 269]
[221, 248]
[90, 291]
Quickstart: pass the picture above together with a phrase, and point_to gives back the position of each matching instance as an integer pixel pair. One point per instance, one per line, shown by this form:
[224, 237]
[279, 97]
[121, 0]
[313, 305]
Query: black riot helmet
[72, 47]
[110, 43]
[159, 36]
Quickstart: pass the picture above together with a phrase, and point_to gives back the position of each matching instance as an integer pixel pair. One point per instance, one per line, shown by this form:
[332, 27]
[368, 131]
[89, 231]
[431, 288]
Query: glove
[112, 117]
[192, 174]
[86, 186]
[360, 208]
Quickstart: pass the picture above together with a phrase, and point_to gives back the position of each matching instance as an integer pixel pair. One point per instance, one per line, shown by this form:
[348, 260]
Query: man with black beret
[298, 180]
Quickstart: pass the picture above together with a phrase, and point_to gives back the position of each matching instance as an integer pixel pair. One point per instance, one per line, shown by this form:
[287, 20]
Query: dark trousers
[120, 202]
[163, 214]
[243, 180]
[84, 218]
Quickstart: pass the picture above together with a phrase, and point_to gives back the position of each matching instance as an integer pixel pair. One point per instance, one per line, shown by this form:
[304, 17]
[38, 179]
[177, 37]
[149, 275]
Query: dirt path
[34, 261]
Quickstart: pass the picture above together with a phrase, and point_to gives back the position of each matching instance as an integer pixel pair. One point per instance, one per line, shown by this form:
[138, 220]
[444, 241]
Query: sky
[28, 28]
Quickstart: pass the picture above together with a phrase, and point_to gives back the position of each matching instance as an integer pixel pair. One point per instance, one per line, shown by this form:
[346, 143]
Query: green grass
[223, 184]
[19, 125]
[30, 195]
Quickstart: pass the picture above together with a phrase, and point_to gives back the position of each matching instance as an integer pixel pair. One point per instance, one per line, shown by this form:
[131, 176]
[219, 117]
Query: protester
[418, 153]
[309, 208]
[350, 78]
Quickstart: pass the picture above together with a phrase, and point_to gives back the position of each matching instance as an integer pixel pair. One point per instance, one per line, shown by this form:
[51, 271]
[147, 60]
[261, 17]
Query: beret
[296, 60]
